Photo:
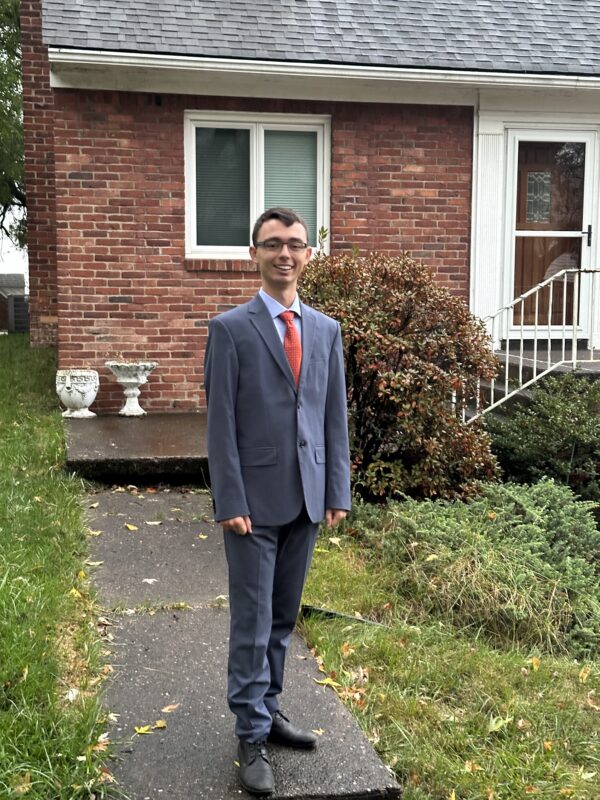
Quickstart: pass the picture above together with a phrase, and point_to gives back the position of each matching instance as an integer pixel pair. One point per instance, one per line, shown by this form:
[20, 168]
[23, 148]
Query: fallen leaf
[237, 763]
[160, 724]
[202, 536]
[535, 663]
[347, 649]
[149, 580]
[318, 731]
[154, 522]
[327, 682]
[497, 723]
[584, 674]
[21, 784]
[94, 505]
[452, 795]
[90, 532]
[76, 593]
[170, 708]
[320, 550]
[548, 746]
[142, 729]
[105, 776]
[432, 557]
[592, 701]
[471, 766]
[94, 563]
[336, 541]
[151, 490]
[102, 743]
[81, 575]
[130, 527]
[72, 695]
[531, 790]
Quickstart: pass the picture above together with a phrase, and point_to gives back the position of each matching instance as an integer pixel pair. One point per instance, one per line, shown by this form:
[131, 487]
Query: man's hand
[333, 516]
[239, 525]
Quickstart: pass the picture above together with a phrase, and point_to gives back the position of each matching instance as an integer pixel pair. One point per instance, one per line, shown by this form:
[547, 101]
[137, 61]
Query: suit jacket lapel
[309, 323]
[262, 321]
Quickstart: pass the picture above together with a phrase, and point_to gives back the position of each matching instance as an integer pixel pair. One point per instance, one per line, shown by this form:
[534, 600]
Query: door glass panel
[550, 186]
[536, 259]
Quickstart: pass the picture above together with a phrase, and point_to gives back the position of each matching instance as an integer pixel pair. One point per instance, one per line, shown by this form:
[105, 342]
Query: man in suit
[279, 465]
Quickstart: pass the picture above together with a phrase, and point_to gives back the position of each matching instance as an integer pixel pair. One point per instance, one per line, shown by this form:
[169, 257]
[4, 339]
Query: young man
[279, 464]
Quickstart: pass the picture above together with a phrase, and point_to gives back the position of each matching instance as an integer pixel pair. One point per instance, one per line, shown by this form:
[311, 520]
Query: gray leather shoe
[256, 775]
[285, 733]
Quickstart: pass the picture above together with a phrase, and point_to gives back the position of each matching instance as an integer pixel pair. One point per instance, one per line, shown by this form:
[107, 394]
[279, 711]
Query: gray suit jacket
[271, 447]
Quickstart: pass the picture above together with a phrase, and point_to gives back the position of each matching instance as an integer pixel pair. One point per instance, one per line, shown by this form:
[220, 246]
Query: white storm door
[550, 227]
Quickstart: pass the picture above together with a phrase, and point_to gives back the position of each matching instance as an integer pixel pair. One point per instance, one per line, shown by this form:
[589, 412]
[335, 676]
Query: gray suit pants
[267, 570]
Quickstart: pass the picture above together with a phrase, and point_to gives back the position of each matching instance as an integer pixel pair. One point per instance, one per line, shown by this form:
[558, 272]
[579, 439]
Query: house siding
[400, 180]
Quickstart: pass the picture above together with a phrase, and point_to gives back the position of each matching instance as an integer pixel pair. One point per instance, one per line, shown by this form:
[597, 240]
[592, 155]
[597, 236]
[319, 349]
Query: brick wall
[38, 113]
[401, 180]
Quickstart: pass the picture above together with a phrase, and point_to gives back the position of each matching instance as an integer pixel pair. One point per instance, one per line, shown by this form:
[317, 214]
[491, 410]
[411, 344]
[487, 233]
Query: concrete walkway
[162, 580]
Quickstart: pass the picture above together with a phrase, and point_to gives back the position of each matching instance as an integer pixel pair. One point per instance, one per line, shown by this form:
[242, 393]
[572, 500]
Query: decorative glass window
[538, 196]
[237, 166]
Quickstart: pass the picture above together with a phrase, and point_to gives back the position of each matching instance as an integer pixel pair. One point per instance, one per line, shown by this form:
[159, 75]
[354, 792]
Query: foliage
[518, 565]
[49, 747]
[12, 185]
[408, 345]
[451, 714]
[557, 434]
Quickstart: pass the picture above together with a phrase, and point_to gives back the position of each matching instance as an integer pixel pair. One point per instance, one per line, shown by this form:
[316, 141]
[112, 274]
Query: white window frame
[256, 124]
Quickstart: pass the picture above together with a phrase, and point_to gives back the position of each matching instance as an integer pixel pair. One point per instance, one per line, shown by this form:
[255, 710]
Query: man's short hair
[286, 215]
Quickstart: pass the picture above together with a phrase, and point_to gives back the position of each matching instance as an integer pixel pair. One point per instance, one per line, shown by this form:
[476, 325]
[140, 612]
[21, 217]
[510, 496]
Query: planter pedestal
[131, 375]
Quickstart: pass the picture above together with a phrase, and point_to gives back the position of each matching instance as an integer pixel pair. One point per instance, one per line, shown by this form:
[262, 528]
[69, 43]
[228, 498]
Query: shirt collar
[275, 308]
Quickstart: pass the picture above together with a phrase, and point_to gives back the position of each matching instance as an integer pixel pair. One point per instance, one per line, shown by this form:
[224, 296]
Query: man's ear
[252, 251]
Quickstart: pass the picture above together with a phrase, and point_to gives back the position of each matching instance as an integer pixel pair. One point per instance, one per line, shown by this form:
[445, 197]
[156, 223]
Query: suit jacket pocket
[320, 455]
[258, 456]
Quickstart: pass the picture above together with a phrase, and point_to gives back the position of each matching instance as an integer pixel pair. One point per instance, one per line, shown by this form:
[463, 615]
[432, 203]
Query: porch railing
[537, 334]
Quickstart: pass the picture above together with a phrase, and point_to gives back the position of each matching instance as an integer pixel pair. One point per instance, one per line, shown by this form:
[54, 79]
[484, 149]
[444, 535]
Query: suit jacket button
[302, 443]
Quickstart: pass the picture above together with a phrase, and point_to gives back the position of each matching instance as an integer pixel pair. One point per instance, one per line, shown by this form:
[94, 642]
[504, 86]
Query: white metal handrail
[522, 367]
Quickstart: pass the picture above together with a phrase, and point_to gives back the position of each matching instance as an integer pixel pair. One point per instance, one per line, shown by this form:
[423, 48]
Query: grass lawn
[454, 717]
[50, 659]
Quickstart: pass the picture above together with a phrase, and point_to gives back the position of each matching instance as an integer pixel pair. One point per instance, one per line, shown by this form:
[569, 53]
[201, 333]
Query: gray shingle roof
[538, 36]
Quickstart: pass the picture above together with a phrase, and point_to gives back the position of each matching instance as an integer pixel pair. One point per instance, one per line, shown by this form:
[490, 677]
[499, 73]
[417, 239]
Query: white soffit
[88, 69]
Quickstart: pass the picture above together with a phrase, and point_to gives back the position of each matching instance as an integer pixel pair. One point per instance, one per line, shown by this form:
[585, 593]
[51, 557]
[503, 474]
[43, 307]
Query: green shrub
[408, 344]
[557, 434]
[518, 565]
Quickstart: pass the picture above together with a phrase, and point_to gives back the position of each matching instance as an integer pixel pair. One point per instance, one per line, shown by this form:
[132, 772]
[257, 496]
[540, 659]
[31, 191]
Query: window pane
[550, 186]
[291, 174]
[222, 186]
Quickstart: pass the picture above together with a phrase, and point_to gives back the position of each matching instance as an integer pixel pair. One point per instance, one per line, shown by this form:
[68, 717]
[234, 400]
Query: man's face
[280, 268]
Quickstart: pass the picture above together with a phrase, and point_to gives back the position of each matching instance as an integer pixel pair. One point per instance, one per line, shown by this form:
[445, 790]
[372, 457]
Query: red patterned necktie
[292, 344]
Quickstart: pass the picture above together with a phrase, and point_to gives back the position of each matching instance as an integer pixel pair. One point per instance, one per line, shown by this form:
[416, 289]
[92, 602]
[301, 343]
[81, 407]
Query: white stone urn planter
[77, 390]
[131, 375]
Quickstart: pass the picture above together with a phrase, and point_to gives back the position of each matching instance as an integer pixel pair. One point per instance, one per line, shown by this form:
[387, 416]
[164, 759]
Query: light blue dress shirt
[275, 308]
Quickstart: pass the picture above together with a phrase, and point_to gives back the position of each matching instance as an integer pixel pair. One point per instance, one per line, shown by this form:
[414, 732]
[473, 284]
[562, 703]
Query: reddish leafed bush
[408, 344]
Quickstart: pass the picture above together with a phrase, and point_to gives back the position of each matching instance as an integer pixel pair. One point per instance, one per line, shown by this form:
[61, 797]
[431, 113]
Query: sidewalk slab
[181, 658]
[163, 656]
[179, 560]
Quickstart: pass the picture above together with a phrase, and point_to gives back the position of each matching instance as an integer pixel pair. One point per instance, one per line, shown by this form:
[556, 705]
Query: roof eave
[92, 69]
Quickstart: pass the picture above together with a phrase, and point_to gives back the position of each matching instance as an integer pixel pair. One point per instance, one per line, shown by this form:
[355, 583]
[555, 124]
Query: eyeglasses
[277, 245]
